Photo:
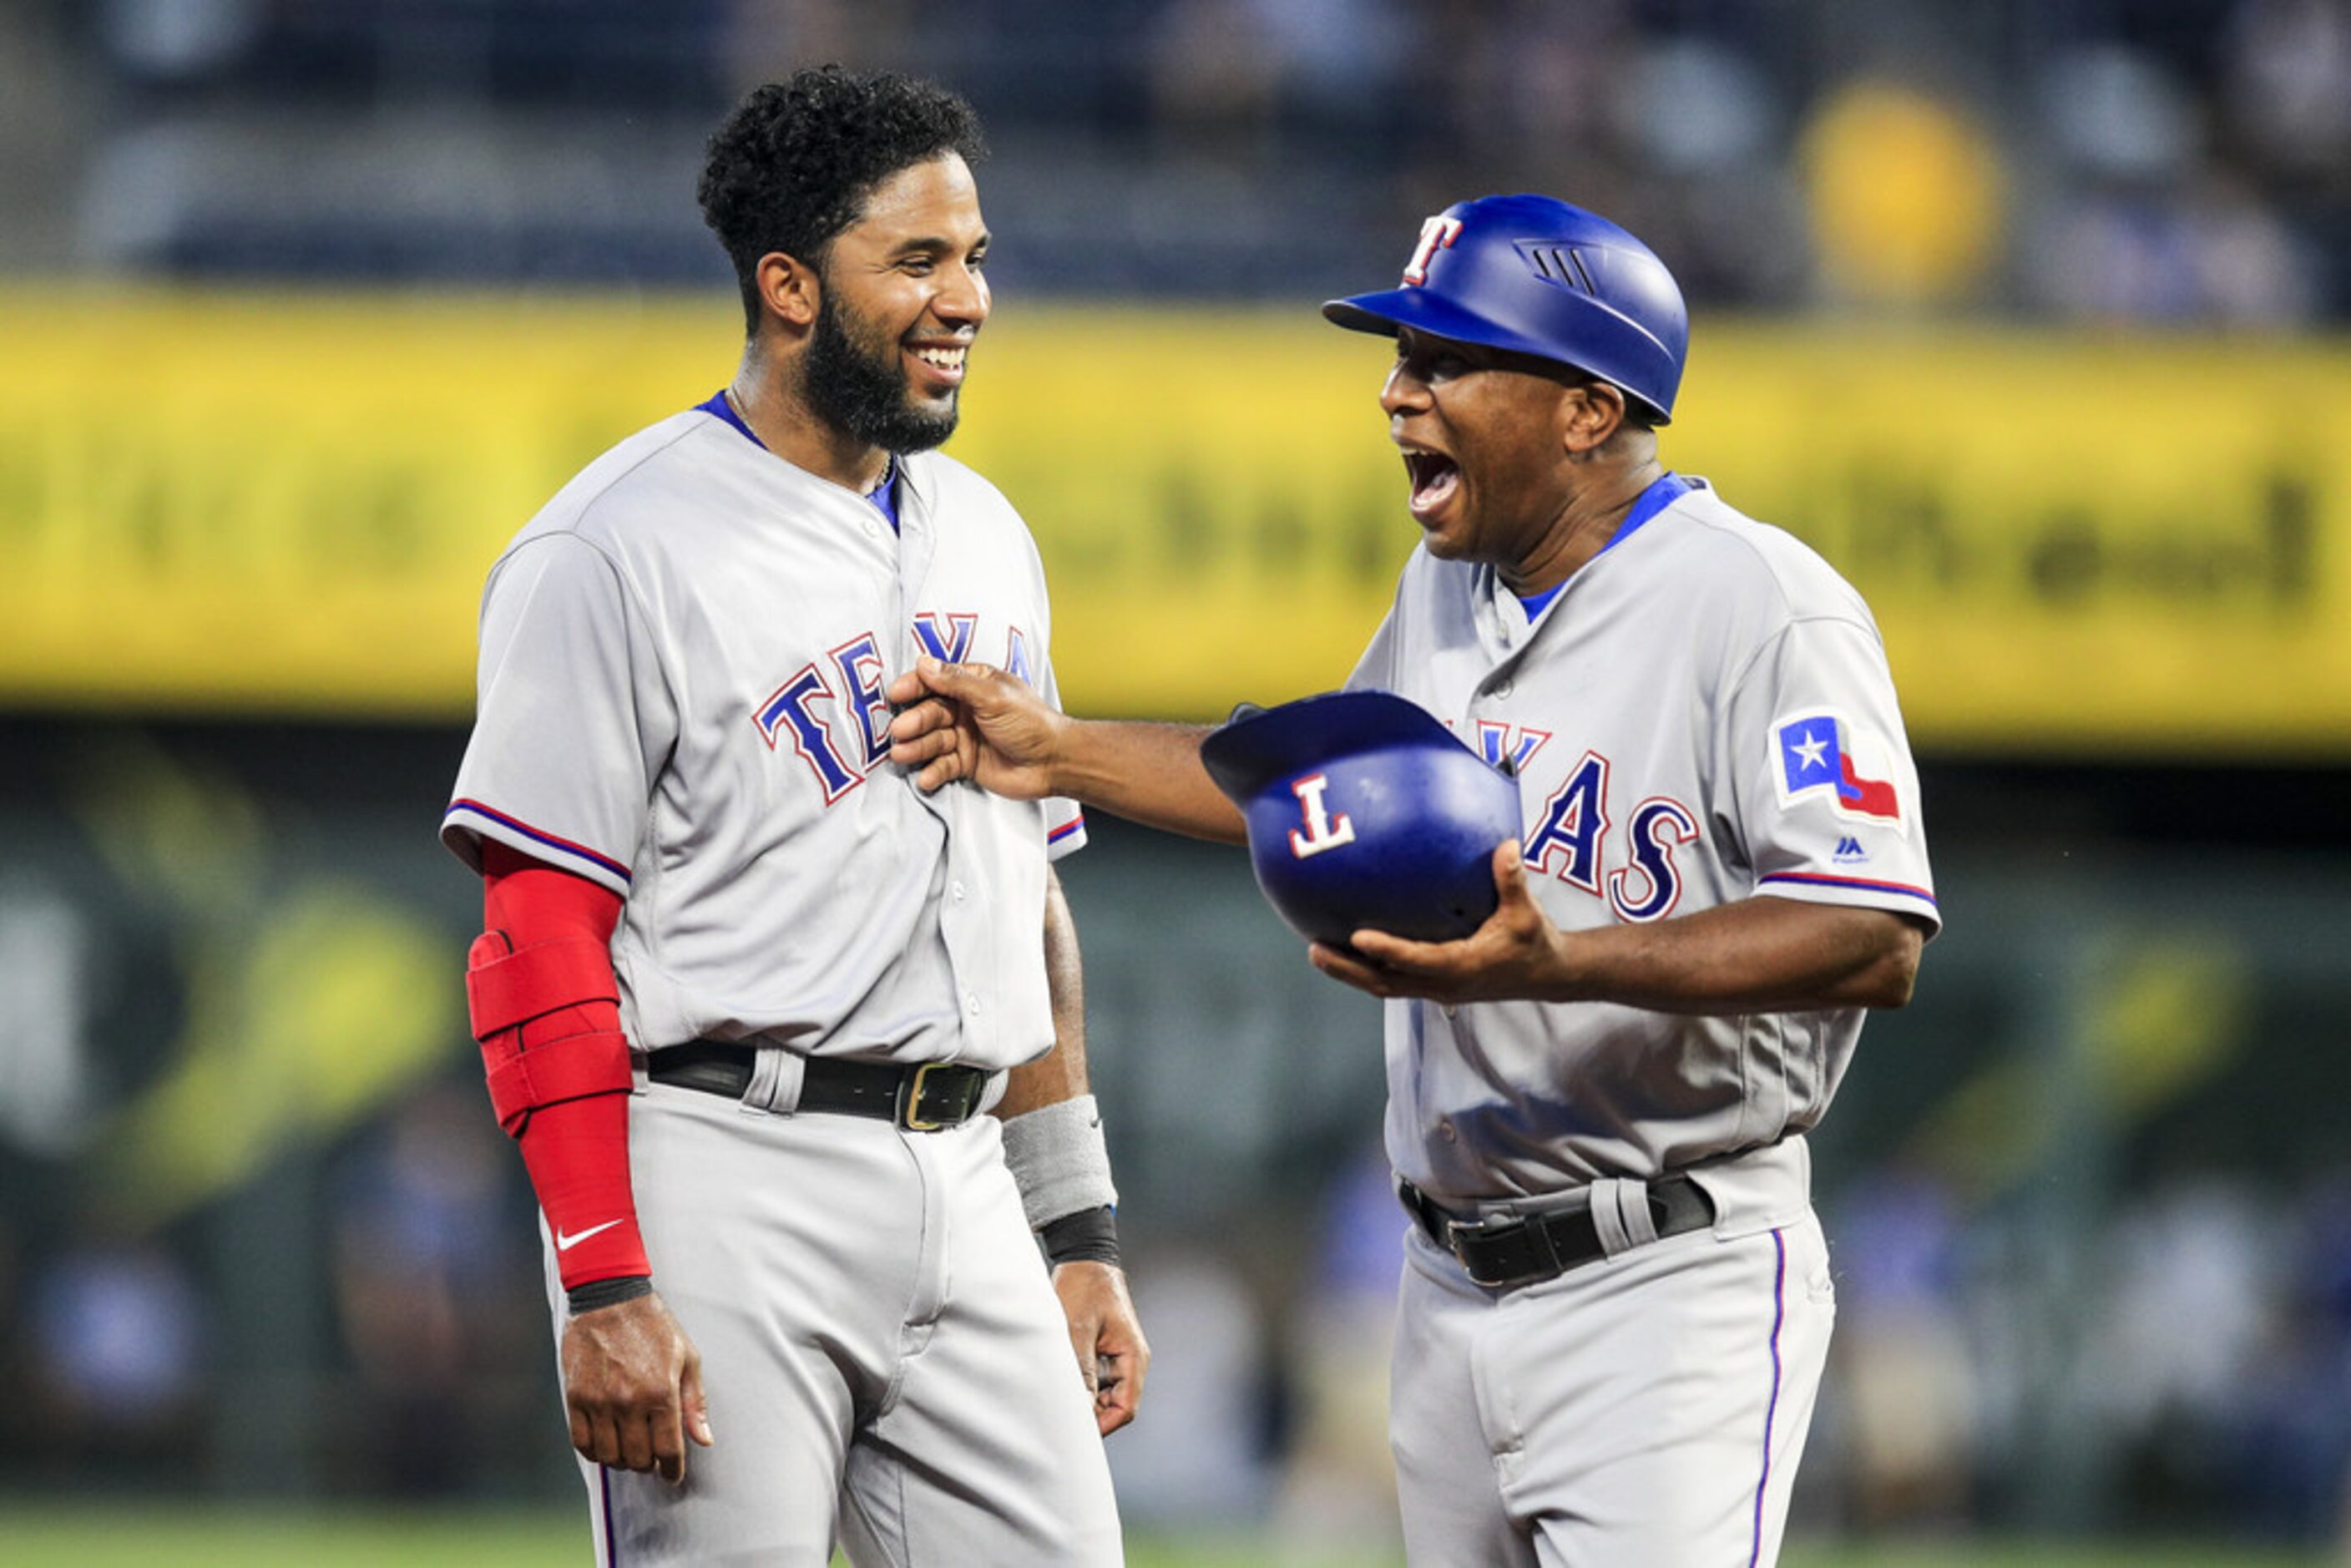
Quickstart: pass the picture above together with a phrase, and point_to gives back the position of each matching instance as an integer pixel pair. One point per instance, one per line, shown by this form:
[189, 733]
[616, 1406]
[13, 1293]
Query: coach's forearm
[1147, 773]
[1759, 955]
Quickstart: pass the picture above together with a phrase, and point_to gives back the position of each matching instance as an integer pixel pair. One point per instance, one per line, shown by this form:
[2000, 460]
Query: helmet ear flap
[1365, 812]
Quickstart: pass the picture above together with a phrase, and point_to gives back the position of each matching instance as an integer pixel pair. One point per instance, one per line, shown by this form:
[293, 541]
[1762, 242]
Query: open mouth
[944, 361]
[1434, 477]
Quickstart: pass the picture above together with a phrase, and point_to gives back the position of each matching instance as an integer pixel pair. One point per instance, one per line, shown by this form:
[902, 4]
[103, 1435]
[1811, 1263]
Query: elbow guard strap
[507, 987]
[547, 1020]
[572, 1067]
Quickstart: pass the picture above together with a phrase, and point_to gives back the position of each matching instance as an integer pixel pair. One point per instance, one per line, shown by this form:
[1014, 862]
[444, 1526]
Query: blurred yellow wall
[2075, 545]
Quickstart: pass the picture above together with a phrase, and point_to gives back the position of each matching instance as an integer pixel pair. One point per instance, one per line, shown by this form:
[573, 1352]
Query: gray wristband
[1059, 1160]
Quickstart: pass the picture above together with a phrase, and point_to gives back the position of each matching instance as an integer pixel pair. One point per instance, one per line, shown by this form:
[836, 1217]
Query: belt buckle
[1457, 1235]
[1488, 1229]
[910, 1100]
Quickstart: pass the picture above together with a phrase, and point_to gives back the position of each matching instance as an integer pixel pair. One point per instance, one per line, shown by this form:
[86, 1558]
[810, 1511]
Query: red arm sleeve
[577, 1151]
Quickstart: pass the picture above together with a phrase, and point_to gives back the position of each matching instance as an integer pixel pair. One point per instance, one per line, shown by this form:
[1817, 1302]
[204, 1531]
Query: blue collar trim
[1661, 494]
[1537, 603]
[720, 405]
[883, 496]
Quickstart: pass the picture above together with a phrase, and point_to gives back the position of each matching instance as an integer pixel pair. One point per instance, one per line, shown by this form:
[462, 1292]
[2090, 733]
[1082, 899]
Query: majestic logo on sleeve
[1823, 755]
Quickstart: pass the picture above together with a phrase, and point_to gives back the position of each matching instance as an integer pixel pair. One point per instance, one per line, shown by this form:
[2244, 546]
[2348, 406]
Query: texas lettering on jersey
[1509, 746]
[1569, 842]
[850, 682]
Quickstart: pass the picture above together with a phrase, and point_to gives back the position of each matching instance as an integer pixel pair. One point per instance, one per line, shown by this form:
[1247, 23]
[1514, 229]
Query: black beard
[853, 381]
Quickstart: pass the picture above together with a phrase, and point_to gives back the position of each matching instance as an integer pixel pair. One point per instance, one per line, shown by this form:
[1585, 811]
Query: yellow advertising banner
[2075, 545]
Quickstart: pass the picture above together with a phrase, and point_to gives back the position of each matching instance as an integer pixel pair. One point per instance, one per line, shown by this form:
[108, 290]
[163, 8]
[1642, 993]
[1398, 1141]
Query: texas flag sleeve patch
[1823, 755]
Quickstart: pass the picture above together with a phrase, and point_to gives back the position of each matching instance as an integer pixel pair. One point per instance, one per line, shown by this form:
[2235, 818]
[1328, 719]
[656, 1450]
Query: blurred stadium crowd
[2166, 1344]
[2168, 161]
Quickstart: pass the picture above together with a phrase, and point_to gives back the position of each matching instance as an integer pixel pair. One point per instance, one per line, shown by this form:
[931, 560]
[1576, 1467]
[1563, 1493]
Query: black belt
[1506, 1251]
[921, 1098]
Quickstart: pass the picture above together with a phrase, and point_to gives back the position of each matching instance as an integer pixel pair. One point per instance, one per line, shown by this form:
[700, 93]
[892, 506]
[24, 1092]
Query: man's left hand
[1517, 954]
[1107, 1337]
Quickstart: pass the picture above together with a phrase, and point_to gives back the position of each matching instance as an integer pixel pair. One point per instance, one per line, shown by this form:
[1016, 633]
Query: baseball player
[1617, 1301]
[746, 992]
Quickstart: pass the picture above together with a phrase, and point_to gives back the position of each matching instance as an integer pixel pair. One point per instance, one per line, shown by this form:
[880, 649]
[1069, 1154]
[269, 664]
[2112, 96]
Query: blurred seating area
[2173, 162]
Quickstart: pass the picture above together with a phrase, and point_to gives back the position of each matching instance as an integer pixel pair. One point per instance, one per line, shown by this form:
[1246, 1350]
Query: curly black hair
[792, 166]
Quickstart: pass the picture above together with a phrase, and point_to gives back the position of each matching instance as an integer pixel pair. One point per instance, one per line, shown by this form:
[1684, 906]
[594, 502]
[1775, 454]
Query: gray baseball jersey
[1704, 713]
[681, 697]
[682, 665]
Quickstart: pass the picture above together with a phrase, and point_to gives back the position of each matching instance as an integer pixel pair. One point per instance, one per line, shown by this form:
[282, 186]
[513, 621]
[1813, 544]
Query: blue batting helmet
[1364, 812]
[1538, 276]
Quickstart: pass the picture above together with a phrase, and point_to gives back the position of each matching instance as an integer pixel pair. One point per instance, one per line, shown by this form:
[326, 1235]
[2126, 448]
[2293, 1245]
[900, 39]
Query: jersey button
[971, 1003]
[956, 889]
[1502, 688]
[1444, 1130]
[1452, 1011]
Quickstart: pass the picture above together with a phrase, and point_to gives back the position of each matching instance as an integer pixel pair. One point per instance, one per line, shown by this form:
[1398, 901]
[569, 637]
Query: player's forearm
[1759, 955]
[571, 1118]
[1147, 773]
[1052, 1129]
[1060, 1073]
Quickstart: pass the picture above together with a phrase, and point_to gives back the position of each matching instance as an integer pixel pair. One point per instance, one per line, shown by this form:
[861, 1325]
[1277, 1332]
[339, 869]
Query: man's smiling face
[903, 296]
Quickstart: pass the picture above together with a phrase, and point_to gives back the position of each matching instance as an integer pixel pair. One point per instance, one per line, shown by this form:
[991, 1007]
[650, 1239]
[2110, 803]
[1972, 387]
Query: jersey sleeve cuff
[1065, 830]
[1857, 891]
[467, 823]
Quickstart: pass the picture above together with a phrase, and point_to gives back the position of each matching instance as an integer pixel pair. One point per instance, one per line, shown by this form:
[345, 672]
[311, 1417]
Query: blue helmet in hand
[1535, 275]
[1364, 812]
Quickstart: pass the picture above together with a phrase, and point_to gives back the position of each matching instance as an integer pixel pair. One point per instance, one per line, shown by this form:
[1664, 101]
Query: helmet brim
[1253, 751]
[1425, 311]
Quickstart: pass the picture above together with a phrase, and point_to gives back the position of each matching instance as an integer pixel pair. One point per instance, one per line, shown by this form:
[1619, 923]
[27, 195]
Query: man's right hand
[975, 722]
[632, 1384]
